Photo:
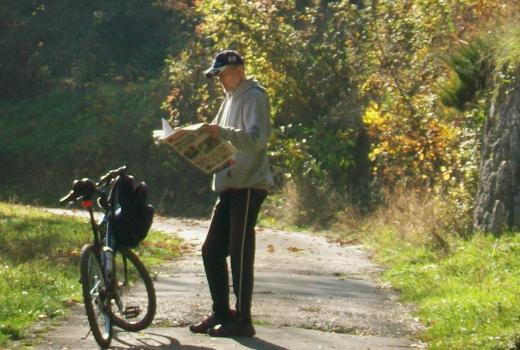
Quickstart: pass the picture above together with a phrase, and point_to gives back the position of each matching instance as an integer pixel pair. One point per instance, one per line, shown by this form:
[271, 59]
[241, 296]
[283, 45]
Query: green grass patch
[158, 248]
[39, 265]
[469, 297]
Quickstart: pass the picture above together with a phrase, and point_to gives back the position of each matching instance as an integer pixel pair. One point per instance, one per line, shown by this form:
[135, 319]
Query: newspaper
[198, 147]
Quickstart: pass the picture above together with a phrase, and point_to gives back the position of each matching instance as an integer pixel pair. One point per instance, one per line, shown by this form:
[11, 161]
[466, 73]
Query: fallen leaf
[294, 249]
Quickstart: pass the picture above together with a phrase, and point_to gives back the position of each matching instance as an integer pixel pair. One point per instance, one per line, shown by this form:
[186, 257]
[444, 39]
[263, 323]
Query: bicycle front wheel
[135, 293]
[97, 303]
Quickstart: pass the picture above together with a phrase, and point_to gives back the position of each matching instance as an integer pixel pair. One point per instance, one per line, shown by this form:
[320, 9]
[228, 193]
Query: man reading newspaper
[243, 119]
[207, 153]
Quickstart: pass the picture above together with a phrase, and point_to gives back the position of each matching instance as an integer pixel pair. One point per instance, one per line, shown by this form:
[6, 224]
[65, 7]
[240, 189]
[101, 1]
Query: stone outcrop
[498, 197]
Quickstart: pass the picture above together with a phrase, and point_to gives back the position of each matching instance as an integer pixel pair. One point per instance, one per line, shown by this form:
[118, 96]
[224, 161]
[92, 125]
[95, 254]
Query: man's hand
[211, 129]
[178, 132]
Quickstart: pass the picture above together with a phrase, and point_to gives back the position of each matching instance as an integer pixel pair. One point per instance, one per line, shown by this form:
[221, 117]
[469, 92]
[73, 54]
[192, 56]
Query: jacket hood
[247, 84]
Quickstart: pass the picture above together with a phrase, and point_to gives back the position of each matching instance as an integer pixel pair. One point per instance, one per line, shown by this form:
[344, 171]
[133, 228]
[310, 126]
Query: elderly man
[243, 119]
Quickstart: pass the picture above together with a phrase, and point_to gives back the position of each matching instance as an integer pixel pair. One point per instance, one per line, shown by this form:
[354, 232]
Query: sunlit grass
[507, 46]
[469, 297]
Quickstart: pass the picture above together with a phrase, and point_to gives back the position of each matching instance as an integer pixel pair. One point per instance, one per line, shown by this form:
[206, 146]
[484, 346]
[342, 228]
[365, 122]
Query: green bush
[69, 135]
[471, 66]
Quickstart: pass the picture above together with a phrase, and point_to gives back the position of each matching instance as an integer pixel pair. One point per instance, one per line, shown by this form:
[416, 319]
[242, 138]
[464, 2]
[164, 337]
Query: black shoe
[233, 328]
[210, 322]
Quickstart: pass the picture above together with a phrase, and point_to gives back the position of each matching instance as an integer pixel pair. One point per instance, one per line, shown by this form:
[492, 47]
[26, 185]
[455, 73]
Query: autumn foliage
[355, 87]
[367, 96]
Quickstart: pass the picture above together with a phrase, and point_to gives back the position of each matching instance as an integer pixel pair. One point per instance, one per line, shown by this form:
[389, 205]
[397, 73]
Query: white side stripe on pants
[242, 252]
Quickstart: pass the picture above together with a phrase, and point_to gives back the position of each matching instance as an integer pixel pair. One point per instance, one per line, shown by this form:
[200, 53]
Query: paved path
[309, 294]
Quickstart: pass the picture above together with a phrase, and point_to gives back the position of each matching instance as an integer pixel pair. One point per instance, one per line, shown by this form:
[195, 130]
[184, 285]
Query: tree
[49, 44]
[306, 66]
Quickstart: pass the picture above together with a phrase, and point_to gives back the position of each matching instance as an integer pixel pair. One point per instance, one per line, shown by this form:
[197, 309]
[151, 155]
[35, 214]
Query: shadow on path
[258, 344]
[154, 341]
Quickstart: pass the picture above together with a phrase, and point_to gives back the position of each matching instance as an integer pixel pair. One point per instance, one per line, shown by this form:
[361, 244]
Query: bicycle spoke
[95, 288]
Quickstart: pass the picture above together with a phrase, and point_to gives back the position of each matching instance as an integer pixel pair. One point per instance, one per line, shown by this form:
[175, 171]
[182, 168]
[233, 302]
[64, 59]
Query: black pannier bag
[131, 214]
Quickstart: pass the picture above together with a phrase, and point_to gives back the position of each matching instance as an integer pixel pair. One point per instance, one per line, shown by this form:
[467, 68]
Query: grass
[39, 265]
[465, 287]
[469, 297]
[506, 45]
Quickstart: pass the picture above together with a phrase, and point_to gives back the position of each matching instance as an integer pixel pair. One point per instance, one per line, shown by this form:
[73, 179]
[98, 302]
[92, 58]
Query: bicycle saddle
[84, 189]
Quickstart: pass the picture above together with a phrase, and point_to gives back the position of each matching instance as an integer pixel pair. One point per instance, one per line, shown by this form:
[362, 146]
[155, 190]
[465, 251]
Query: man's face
[231, 77]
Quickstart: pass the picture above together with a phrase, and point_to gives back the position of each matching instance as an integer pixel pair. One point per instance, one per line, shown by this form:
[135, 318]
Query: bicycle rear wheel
[97, 304]
[135, 293]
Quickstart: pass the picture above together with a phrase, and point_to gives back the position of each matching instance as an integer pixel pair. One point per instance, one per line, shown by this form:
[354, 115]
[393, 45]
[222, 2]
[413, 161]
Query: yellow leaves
[448, 132]
[446, 173]
[372, 115]
[374, 153]
[417, 147]
[422, 54]
[375, 120]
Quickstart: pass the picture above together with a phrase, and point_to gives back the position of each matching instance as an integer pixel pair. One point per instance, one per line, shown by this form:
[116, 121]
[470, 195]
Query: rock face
[498, 197]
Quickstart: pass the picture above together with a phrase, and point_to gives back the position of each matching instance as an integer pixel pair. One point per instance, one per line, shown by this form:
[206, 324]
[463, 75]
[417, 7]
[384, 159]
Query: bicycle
[117, 288]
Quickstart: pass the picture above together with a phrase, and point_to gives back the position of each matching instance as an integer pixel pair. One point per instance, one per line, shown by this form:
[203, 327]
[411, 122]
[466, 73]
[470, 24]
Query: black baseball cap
[222, 60]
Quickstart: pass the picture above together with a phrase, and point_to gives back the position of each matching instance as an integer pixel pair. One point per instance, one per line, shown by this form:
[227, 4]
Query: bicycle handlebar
[86, 188]
[69, 197]
[112, 174]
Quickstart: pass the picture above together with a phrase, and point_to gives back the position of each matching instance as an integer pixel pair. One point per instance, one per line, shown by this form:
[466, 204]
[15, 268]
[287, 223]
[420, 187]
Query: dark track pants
[232, 232]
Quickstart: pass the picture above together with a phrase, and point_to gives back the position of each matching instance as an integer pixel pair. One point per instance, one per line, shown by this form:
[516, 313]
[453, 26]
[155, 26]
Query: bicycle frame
[104, 243]
[95, 226]
[101, 290]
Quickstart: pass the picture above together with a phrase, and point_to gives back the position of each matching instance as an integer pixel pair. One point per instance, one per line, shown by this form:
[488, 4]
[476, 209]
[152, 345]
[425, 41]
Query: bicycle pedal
[132, 311]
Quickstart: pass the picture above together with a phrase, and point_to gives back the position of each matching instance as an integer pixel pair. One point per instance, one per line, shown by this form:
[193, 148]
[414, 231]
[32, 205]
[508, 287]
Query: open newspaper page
[198, 147]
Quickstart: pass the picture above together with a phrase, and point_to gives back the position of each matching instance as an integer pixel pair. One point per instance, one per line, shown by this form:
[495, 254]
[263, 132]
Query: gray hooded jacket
[244, 121]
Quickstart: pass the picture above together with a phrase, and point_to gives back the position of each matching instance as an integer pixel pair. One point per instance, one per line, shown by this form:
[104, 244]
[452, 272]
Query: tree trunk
[498, 197]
